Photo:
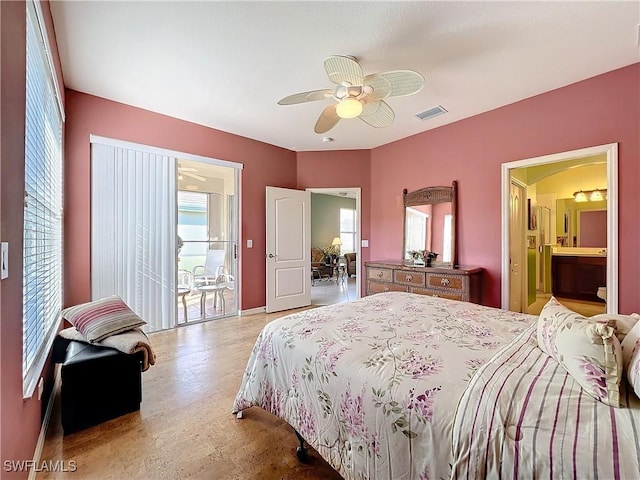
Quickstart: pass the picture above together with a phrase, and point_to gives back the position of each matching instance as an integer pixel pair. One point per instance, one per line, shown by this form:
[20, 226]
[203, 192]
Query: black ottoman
[98, 384]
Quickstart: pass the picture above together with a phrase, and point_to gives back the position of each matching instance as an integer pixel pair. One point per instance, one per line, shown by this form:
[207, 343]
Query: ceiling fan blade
[303, 97]
[343, 69]
[193, 175]
[327, 119]
[377, 113]
[380, 86]
[403, 82]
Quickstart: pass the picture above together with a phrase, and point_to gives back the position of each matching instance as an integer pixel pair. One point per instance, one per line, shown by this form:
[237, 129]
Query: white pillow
[588, 350]
[622, 323]
[631, 357]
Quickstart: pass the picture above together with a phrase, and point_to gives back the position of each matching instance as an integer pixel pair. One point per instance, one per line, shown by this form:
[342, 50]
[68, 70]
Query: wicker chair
[318, 263]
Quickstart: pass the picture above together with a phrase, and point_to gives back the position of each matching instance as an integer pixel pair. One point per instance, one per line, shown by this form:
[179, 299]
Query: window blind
[42, 249]
[133, 231]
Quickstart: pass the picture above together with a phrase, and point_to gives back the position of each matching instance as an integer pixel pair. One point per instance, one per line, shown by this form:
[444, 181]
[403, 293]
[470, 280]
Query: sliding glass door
[164, 232]
[207, 260]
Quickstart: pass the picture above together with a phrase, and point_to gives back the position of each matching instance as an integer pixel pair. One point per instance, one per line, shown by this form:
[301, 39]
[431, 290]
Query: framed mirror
[430, 225]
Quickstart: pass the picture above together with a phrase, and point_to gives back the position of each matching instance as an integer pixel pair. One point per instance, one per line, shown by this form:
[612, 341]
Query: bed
[396, 386]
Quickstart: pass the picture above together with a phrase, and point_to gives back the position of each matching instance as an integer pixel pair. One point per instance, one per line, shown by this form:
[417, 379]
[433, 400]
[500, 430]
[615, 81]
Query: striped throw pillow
[102, 318]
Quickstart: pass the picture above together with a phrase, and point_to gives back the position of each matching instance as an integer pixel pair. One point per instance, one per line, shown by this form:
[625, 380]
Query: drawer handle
[435, 295]
[380, 274]
[444, 282]
[409, 277]
[387, 289]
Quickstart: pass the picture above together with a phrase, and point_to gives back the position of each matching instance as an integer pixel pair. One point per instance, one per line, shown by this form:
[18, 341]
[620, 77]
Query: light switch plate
[365, 243]
[4, 261]
[249, 243]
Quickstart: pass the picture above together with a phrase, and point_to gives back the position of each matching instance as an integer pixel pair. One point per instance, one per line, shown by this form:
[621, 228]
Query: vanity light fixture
[596, 195]
[580, 197]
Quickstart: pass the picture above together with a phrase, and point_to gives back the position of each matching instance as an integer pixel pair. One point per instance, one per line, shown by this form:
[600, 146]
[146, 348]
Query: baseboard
[253, 311]
[45, 424]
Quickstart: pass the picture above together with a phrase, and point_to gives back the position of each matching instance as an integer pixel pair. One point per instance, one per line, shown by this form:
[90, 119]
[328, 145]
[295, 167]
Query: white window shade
[133, 231]
[42, 249]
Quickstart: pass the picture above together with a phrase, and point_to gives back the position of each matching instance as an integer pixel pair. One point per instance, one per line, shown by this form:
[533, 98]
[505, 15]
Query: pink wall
[593, 228]
[20, 419]
[340, 169]
[601, 110]
[263, 165]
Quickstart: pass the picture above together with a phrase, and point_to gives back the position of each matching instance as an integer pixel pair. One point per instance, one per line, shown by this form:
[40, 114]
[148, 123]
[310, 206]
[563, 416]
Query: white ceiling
[226, 64]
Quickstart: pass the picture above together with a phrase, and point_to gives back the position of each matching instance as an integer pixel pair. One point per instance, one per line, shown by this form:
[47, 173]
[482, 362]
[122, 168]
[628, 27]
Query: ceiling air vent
[432, 112]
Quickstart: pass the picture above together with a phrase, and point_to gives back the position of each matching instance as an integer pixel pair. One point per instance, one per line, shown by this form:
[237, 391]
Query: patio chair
[213, 266]
[223, 282]
[183, 288]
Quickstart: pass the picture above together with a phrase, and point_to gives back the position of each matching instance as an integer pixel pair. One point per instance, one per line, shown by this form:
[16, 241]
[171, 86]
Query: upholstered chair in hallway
[350, 259]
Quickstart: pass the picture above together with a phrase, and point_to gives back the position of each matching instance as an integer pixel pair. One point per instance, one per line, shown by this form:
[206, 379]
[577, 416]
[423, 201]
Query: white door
[516, 246]
[288, 248]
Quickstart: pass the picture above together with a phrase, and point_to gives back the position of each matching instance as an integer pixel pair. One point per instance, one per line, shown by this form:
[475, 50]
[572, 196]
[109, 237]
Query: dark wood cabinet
[578, 277]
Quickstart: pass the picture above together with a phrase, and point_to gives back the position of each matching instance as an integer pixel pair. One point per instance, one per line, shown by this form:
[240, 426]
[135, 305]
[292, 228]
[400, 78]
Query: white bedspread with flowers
[373, 385]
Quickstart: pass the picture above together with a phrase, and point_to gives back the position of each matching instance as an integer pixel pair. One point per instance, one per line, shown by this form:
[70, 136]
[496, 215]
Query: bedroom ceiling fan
[358, 95]
[186, 172]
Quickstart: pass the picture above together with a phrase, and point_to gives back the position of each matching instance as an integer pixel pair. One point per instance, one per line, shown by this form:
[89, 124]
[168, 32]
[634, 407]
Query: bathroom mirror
[430, 224]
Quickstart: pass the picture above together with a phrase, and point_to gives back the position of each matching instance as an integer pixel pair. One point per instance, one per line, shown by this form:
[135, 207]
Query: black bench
[98, 383]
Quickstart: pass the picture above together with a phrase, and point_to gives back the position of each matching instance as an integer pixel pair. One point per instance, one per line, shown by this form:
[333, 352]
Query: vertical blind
[133, 231]
[42, 248]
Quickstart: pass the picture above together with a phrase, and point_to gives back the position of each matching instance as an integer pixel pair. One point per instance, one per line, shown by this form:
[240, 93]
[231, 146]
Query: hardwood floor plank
[185, 429]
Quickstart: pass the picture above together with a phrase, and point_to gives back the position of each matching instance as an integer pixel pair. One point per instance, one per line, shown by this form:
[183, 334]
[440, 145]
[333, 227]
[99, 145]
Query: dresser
[456, 284]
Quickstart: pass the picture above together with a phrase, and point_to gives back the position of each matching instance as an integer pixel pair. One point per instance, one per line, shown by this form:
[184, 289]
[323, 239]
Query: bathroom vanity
[578, 274]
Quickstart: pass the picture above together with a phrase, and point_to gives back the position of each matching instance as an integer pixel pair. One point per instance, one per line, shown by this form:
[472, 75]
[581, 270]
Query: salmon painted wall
[263, 165]
[340, 169]
[20, 418]
[601, 110]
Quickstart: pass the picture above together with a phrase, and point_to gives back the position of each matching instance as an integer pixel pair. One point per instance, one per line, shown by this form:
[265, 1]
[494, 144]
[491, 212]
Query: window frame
[47, 156]
[352, 233]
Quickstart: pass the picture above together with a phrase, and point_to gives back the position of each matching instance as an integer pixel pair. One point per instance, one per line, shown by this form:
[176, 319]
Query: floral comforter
[373, 385]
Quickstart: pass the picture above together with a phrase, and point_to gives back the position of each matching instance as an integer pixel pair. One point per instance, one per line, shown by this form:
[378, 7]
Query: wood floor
[185, 429]
[588, 309]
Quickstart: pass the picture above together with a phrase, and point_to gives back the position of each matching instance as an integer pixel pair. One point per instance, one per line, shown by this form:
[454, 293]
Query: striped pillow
[589, 350]
[102, 318]
[631, 357]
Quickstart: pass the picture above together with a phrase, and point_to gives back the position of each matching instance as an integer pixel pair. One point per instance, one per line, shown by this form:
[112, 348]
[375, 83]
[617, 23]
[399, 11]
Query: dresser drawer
[382, 274]
[408, 278]
[380, 287]
[448, 282]
[438, 293]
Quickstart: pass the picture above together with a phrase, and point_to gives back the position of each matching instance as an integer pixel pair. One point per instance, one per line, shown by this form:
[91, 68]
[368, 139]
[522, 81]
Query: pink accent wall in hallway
[340, 169]
[264, 165]
[601, 110]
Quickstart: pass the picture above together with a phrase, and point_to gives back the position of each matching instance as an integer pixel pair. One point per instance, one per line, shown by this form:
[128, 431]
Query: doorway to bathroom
[568, 226]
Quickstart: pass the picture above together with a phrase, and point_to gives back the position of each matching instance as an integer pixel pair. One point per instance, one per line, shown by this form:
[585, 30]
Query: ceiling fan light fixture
[349, 108]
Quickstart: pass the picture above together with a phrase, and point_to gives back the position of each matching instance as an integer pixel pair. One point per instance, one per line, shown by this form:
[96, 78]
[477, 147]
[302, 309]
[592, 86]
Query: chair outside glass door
[207, 227]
